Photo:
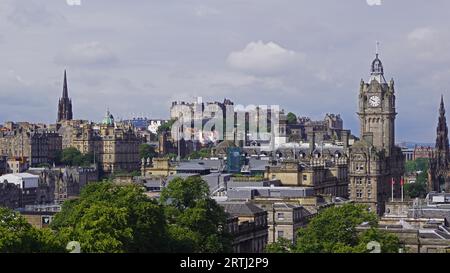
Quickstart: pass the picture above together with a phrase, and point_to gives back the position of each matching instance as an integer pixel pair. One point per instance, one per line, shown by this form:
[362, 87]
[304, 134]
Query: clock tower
[377, 108]
[374, 159]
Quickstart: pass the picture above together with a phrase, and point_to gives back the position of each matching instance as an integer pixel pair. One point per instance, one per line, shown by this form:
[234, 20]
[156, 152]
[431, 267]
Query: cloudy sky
[308, 56]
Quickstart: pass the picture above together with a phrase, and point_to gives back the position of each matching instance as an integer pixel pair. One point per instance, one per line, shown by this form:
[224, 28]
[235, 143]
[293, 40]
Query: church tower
[65, 103]
[439, 165]
[374, 159]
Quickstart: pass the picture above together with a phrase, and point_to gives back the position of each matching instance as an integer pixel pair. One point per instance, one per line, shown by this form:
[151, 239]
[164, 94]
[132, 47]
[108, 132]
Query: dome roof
[108, 119]
[377, 70]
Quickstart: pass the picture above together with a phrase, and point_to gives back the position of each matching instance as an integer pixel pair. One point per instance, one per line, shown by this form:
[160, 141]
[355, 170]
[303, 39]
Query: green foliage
[203, 153]
[18, 236]
[291, 118]
[72, 157]
[414, 190]
[196, 222]
[147, 151]
[283, 245]
[420, 164]
[111, 218]
[389, 242]
[334, 231]
[166, 127]
[419, 167]
[171, 156]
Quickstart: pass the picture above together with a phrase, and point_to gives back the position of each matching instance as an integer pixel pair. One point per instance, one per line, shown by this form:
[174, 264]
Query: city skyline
[246, 54]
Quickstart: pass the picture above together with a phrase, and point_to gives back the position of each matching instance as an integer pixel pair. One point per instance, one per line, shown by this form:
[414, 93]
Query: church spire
[65, 91]
[65, 103]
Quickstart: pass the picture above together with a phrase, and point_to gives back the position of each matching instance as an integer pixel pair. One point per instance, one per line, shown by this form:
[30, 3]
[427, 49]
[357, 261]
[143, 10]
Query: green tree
[389, 242]
[333, 230]
[291, 118]
[72, 157]
[418, 165]
[147, 151]
[18, 236]
[283, 245]
[113, 218]
[166, 127]
[203, 153]
[196, 222]
[414, 190]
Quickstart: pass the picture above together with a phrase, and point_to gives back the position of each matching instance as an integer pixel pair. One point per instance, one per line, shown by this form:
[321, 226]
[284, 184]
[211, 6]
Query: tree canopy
[72, 157]
[291, 118]
[111, 218]
[333, 230]
[146, 151]
[18, 236]
[196, 222]
[420, 168]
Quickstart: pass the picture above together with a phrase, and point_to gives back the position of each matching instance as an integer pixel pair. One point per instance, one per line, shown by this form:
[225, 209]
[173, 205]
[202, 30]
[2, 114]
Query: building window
[280, 216]
[359, 180]
[280, 234]
[305, 177]
[359, 193]
[369, 193]
[369, 181]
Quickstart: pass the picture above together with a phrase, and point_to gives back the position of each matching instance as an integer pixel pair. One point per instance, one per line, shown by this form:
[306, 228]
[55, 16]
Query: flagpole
[392, 188]
[402, 182]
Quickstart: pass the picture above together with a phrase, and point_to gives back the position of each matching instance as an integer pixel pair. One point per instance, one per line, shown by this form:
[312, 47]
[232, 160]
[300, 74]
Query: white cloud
[91, 53]
[264, 58]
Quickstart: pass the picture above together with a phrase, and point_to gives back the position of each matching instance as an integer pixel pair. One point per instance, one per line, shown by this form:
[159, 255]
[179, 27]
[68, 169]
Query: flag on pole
[392, 181]
[402, 182]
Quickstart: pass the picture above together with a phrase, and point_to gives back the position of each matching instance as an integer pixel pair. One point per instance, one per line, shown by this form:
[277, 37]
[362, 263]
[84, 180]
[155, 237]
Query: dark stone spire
[65, 91]
[65, 103]
[442, 134]
[441, 159]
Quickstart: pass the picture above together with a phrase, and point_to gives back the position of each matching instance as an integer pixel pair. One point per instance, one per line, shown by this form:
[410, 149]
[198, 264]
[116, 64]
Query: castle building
[65, 103]
[439, 174]
[374, 159]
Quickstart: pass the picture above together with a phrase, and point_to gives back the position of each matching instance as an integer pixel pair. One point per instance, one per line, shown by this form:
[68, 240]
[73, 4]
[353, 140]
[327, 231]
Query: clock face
[374, 101]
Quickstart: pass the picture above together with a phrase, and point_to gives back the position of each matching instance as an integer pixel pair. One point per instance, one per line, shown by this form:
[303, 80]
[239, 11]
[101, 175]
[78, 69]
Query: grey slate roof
[241, 208]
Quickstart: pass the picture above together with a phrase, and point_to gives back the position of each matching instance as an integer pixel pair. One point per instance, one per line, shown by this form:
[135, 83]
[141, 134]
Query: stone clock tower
[377, 108]
[374, 159]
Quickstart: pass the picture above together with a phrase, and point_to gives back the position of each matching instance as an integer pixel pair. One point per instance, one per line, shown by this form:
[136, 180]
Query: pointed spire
[377, 49]
[65, 91]
[442, 109]
[65, 103]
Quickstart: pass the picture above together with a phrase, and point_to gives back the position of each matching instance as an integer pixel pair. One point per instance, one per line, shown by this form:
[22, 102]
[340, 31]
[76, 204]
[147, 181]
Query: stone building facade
[37, 143]
[285, 220]
[327, 175]
[114, 146]
[374, 159]
[248, 225]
